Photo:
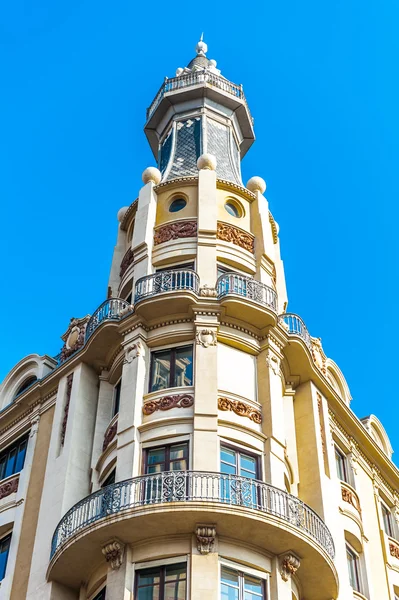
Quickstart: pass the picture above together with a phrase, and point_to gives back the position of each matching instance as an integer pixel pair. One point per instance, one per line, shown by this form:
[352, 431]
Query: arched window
[25, 384]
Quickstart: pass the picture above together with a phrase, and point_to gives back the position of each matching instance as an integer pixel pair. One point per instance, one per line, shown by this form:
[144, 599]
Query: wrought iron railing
[191, 79]
[192, 486]
[295, 326]
[240, 285]
[166, 281]
[110, 310]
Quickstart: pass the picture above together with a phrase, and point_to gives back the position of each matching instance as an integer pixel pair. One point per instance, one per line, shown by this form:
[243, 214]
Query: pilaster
[207, 227]
[143, 234]
[103, 418]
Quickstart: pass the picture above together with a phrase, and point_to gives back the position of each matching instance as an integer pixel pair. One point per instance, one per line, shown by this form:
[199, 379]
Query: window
[27, 383]
[12, 458]
[387, 519]
[342, 465]
[100, 595]
[117, 398]
[183, 267]
[235, 462]
[171, 368]
[235, 585]
[166, 458]
[234, 209]
[354, 568]
[4, 550]
[177, 204]
[162, 583]
[110, 479]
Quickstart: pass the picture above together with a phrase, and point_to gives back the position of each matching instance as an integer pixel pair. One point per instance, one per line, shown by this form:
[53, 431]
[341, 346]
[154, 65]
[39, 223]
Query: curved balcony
[245, 508]
[167, 284]
[229, 286]
[295, 326]
[110, 310]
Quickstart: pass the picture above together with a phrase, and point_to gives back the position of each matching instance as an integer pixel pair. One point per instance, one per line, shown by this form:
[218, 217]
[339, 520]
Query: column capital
[206, 536]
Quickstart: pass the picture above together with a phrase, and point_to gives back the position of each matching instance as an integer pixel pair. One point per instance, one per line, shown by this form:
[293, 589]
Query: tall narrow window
[4, 550]
[162, 583]
[117, 398]
[387, 519]
[236, 585]
[342, 466]
[234, 462]
[12, 459]
[158, 460]
[171, 368]
[354, 569]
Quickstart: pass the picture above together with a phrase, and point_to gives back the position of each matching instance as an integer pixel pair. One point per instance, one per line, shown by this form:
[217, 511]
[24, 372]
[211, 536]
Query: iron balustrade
[295, 326]
[166, 281]
[192, 486]
[110, 310]
[191, 79]
[241, 285]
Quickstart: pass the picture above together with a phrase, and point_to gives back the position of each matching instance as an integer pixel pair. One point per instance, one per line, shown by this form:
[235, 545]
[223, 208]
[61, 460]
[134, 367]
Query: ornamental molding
[351, 498]
[133, 351]
[224, 184]
[68, 392]
[238, 328]
[177, 180]
[273, 362]
[110, 434]
[242, 409]
[290, 564]
[172, 322]
[127, 260]
[318, 355]
[132, 208]
[235, 235]
[168, 402]
[206, 337]
[321, 423]
[114, 551]
[9, 487]
[394, 550]
[206, 536]
[274, 228]
[175, 231]
[208, 292]
[74, 337]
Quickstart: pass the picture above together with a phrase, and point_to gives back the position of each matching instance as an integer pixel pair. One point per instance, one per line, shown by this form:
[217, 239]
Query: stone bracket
[114, 551]
[289, 565]
[206, 536]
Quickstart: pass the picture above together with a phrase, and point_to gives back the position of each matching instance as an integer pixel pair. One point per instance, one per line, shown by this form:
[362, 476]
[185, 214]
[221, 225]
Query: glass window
[240, 586]
[12, 458]
[27, 383]
[387, 519]
[100, 595]
[162, 583]
[110, 479]
[171, 368]
[167, 458]
[117, 398]
[177, 204]
[342, 467]
[233, 209]
[233, 463]
[183, 267]
[4, 550]
[353, 568]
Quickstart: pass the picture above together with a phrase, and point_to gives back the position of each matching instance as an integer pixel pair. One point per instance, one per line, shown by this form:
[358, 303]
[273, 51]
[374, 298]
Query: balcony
[110, 310]
[295, 326]
[257, 295]
[169, 291]
[240, 507]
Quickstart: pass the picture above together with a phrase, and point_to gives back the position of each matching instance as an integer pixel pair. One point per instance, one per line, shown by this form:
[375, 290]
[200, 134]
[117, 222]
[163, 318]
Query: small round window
[233, 209]
[177, 204]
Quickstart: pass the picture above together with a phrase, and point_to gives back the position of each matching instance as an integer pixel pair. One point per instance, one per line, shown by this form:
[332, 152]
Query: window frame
[243, 571]
[100, 595]
[111, 474]
[185, 266]
[358, 568]
[116, 397]
[240, 450]
[386, 511]
[162, 570]
[6, 452]
[6, 538]
[344, 459]
[172, 372]
[168, 446]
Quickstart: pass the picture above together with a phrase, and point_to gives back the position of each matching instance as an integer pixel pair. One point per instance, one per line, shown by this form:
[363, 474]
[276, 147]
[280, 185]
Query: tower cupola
[199, 112]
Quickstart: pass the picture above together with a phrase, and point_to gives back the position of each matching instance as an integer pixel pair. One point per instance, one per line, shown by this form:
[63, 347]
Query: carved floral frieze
[351, 498]
[241, 409]
[9, 487]
[235, 235]
[66, 408]
[168, 402]
[318, 355]
[175, 231]
[74, 337]
[109, 435]
[126, 262]
[394, 550]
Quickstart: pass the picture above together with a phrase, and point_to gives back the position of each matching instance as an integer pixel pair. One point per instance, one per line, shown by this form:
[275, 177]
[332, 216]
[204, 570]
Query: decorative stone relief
[9, 487]
[133, 351]
[235, 235]
[321, 421]
[175, 231]
[394, 550]
[318, 355]
[351, 498]
[74, 337]
[168, 402]
[273, 363]
[66, 409]
[109, 435]
[127, 260]
[241, 409]
[290, 564]
[208, 292]
[206, 535]
[113, 552]
[206, 337]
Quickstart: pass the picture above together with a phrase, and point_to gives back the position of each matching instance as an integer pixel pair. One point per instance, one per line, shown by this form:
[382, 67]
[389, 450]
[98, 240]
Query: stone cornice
[128, 214]
[223, 184]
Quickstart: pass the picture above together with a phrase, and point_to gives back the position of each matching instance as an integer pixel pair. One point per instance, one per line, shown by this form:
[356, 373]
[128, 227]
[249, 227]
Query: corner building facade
[192, 440]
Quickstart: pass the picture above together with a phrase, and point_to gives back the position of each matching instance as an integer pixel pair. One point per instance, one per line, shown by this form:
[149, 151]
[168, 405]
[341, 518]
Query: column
[103, 418]
[207, 222]
[143, 234]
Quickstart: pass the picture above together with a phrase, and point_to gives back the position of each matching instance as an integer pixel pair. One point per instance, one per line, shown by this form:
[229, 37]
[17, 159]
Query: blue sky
[321, 82]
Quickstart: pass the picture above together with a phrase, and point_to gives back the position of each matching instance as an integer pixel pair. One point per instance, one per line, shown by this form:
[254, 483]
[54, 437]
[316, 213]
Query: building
[192, 440]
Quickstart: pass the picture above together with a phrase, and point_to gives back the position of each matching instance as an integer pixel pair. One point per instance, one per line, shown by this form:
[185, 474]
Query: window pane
[156, 457]
[183, 366]
[340, 461]
[253, 588]
[148, 593]
[10, 466]
[4, 548]
[175, 590]
[247, 466]
[386, 515]
[353, 567]
[178, 457]
[148, 584]
[160, 370]
[229, 585]
[227, 455]
[229, 577]
[21, 456]
[117, 397]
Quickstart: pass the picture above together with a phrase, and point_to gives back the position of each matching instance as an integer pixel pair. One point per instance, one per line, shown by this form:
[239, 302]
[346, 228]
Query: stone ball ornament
[206, 162]
[121, 213]
[151, 174]
[256, 184]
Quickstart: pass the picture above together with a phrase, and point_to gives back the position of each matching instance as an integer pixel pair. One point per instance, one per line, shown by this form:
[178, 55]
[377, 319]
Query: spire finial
[201, 48]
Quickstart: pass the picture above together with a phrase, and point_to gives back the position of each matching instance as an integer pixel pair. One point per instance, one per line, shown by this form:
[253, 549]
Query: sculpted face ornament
[132, 352]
